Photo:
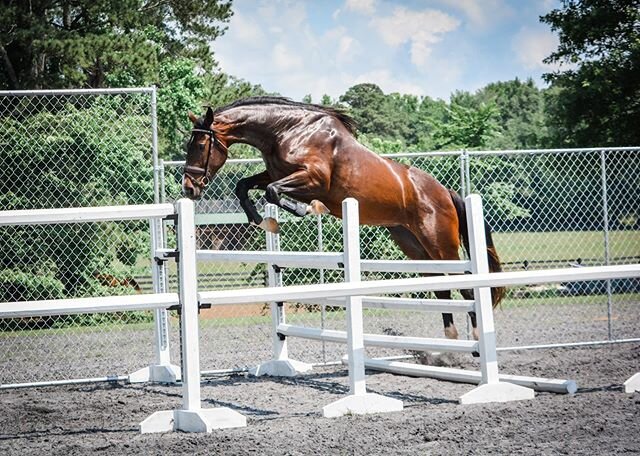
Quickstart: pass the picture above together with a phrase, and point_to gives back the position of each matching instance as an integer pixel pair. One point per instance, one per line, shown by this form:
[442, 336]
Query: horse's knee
[271, 194]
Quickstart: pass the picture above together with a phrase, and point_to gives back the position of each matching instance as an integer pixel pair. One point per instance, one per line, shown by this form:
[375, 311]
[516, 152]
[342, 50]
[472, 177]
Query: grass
[565, 245]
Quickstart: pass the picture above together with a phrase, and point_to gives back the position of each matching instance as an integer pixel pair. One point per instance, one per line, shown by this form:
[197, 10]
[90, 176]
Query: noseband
[192, 171]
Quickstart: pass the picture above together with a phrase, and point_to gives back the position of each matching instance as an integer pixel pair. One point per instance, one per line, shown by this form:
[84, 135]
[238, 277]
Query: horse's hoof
[270, 224]
[450, 332]
[317, 208]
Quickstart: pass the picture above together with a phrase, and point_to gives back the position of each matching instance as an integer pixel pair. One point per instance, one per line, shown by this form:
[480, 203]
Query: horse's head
[205, 156]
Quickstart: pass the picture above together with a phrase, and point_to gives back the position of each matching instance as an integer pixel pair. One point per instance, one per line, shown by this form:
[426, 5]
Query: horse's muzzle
[190, 190]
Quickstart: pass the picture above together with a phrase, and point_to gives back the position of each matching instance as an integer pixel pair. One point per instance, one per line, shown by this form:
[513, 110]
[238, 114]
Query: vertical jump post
[358, 401]
[162, 371]
[491, 389]
[191, 417]
[280, 365]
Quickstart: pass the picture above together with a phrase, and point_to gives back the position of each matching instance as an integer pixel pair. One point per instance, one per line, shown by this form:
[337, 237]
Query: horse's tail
[497, 293]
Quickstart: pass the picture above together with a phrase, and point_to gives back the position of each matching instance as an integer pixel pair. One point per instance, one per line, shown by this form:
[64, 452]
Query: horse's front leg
[256, 182]
[296, 185]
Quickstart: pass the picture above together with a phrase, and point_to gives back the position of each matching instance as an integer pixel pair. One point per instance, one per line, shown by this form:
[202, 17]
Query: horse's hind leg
[411, 247]
[468, 295]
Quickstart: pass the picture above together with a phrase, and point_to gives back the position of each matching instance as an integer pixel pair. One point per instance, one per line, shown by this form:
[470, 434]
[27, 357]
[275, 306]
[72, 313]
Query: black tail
[497, 293]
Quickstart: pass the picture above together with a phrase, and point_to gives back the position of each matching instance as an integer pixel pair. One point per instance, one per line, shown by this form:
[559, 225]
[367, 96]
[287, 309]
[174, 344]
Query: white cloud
[422, 29]
[246, 31]
[348, 49]
[531, 46]
[367, 7]
[481, 13]
[284, 59]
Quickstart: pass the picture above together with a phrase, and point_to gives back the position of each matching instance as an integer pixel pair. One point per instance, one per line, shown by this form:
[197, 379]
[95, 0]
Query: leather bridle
[200, 176]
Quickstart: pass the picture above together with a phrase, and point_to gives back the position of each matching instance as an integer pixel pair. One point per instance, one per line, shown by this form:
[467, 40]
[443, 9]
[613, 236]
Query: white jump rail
[102, 304]
[329, 260]
[162, 370]
[451, 374]
[493, 385]
[413, 304]
[85, 214]
[337, 290]
[380, 340]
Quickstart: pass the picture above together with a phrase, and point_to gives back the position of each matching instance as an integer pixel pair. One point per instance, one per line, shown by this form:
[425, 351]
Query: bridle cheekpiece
[192, 171]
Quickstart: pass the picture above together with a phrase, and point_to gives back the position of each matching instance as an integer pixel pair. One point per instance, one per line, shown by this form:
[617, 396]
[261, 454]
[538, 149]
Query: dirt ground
[285, 418]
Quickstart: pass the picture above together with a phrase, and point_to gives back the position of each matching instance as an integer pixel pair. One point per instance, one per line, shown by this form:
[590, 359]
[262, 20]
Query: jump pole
[191, 417]
[450, 374]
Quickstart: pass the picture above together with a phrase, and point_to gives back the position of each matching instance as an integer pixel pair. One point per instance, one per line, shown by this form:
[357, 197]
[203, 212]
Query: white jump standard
[359, 401]
[280, 365]
[632, 385]
[191, 418]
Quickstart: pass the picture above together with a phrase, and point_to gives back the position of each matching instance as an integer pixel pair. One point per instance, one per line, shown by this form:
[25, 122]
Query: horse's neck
[255, 126]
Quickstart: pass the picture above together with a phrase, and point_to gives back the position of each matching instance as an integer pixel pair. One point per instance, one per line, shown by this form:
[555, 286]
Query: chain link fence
[547, 208]
[75, 148]
[92, 148]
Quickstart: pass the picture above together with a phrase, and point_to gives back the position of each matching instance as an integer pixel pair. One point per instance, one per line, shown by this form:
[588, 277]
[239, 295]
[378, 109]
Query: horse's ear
[192, 117]
[208, 118]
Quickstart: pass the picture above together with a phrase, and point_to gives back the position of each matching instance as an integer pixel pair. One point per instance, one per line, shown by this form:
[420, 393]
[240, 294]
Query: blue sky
[421, 47]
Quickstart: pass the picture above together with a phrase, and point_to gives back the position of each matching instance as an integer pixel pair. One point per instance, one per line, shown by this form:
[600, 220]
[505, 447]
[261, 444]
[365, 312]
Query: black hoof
[475, 354]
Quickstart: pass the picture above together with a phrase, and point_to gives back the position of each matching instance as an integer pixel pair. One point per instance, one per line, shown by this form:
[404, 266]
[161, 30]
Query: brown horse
[314, 162]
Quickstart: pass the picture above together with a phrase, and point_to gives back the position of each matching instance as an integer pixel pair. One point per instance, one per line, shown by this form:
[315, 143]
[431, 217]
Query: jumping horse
[313, 162]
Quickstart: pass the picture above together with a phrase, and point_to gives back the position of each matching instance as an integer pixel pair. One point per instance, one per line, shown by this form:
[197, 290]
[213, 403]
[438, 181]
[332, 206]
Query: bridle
[200, 176]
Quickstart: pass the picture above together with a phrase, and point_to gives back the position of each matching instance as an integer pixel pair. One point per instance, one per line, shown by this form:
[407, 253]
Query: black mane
[343, 117]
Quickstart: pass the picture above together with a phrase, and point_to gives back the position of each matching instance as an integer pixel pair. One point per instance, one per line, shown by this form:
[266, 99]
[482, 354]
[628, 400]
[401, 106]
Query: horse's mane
[343, 117]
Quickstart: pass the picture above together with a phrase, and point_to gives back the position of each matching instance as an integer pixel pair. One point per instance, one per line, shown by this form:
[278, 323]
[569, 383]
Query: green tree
[521, 119]
[96, 43]
[179, 91]
[597, 98]
[366, 105]
[467, 127]
[79, 157]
